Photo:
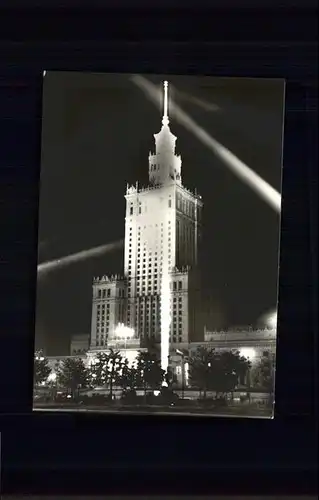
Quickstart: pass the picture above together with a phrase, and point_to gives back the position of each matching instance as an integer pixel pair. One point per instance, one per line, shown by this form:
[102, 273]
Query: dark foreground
[231, 411]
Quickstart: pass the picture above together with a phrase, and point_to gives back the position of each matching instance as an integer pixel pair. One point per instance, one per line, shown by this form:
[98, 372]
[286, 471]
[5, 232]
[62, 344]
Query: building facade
[79, 344]
[158, 297]
[108, 309]
[252, 344]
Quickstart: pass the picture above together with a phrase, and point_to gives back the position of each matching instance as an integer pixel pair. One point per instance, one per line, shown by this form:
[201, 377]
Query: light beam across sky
[207, 106]
[262, 188]
[56, 264]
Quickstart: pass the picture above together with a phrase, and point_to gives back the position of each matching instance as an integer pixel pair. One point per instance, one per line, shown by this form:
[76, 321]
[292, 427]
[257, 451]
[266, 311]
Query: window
[179, 285]
[131, 210]
[109, 292]
[169, 203]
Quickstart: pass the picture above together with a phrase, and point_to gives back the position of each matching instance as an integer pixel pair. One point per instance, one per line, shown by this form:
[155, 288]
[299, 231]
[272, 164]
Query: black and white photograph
[159, 244]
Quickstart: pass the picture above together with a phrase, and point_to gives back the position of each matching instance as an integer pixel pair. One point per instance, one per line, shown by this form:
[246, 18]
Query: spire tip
[165, 120]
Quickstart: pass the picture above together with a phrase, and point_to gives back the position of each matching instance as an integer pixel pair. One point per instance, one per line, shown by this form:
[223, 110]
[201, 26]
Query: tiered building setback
[162, 235]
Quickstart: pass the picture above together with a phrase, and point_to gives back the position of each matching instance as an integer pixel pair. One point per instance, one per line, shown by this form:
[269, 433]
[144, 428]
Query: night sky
[96, 136]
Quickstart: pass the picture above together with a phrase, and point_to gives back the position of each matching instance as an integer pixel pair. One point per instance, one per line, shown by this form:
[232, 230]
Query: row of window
[101, 340]
[102, 330]
[145, 206]
[176, 311]
[176, 339]
[106, 293]
[155, 240]
[100, 343]
[150, 225]
[156, 303]
[103, 322]
[102, 307]
[185, 206]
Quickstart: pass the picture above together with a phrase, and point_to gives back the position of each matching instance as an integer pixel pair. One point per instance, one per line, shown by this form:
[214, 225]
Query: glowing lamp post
[271, 320]
[52, 380]
[248, 353]
[182, 355]
[125, 333]
[52, 377]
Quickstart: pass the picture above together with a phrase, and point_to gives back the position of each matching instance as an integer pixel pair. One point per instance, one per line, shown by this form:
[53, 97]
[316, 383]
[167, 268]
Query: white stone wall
[179, 308]
[129, 352]
[149, 245]
[152, 216]
[162, 229]
[251, 344]
[108, 308]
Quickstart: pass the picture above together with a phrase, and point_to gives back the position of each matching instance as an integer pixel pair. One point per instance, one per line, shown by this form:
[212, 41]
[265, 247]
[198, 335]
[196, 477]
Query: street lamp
[248, 353]
[51, 381]
[124, 333]
[182, 355]
[271, 320]
[52, 377]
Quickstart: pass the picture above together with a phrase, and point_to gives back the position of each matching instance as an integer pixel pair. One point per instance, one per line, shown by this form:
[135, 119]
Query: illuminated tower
[162, 232]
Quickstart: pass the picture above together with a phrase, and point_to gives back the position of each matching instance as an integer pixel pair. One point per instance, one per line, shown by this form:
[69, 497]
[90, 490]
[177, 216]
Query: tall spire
[165, 120]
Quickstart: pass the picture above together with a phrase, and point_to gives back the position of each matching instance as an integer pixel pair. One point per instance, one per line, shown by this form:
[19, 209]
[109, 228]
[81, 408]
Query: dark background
[97, 132]
[49, 453]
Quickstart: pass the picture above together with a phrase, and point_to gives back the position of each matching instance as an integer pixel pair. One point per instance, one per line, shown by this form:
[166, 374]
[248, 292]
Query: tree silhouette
[106, 370]
[200, 369]
[41, 369]
[130, 378]
[150, 371]
[115, 364]
[229, 368]
[263, 374]
[72, 375]
[99, 370]
[217, 371]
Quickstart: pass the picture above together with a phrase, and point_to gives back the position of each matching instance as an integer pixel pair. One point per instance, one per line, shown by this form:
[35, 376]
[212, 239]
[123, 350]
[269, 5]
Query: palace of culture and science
[157, 302]
[162, 234]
